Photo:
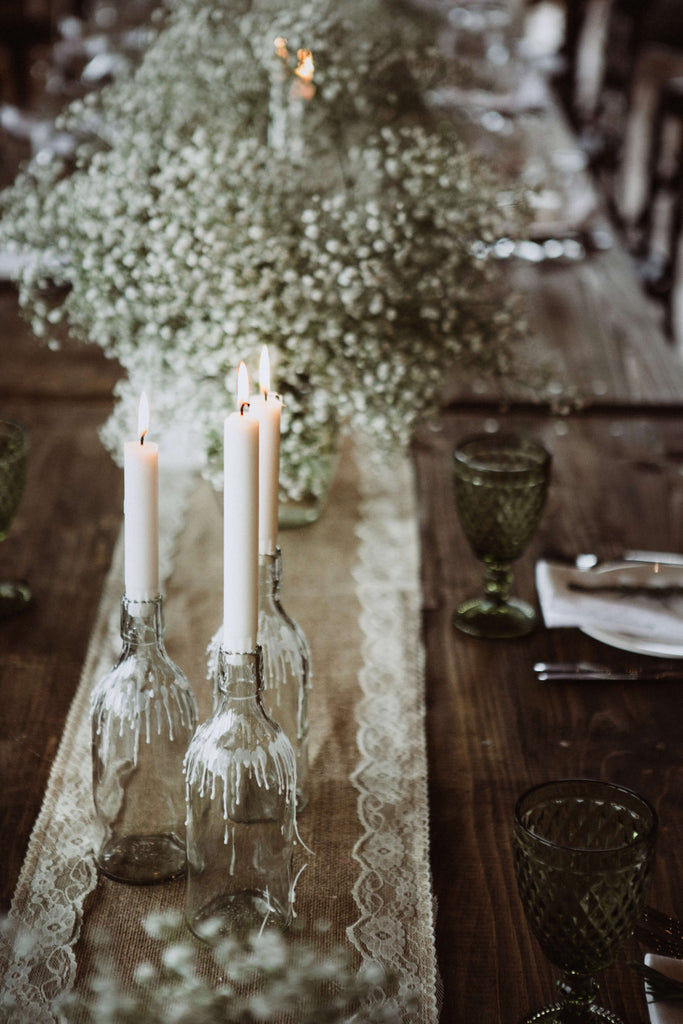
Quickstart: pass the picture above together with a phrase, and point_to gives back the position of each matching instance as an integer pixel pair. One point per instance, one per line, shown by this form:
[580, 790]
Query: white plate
[661, 646]
[636, 644]
[670, 1012]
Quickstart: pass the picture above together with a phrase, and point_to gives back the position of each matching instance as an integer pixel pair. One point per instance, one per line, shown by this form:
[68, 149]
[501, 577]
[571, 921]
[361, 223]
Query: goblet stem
[576, 1004]
[497, 581]
[578, 991]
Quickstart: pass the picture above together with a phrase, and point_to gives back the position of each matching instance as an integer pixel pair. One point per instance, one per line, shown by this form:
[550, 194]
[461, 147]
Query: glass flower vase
[143, 716]
[241, 811]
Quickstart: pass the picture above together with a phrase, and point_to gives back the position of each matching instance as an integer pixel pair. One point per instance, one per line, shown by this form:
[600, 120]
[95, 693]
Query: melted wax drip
[135, 707]
[210, 763]
[282, 661]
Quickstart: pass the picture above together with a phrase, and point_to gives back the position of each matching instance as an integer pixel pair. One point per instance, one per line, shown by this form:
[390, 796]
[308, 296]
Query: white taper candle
[267, 408]
[240, 524]
[141, 512]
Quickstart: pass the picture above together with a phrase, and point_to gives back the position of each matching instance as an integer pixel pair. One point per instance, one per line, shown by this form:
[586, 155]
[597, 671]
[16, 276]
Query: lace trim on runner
[37, 961]
[393, 890]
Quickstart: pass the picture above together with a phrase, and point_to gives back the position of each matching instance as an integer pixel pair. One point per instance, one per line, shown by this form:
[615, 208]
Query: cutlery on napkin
[651, 608]
[665, 1011]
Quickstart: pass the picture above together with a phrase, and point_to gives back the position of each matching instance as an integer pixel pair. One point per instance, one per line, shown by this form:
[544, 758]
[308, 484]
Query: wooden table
[493, 729]
[61, 541]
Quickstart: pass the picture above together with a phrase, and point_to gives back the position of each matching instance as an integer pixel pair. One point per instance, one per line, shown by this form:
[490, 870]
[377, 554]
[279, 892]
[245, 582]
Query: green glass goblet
[583, 855]
[501, 484]
[14, 595]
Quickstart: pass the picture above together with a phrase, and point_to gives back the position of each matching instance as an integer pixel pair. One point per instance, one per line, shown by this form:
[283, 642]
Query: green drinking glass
[14, 595]
[583, 854]
[501, 484]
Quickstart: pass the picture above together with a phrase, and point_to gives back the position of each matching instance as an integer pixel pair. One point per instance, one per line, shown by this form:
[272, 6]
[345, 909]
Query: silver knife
[663, 591]
[588, 671]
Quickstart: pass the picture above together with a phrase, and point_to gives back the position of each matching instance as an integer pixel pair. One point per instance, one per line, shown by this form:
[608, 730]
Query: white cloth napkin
[636, 614]
[672, 1012]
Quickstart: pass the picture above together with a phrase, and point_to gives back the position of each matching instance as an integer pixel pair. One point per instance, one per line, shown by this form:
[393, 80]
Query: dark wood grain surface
[493, 729]
[61, 541]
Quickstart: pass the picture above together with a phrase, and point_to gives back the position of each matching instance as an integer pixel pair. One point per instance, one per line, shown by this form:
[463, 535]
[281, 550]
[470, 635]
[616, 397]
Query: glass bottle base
[239, 915]
[143, 860]
[494, 621]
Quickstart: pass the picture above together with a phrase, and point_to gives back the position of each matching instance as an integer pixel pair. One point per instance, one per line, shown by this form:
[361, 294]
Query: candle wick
[244, 405]
[142, 437]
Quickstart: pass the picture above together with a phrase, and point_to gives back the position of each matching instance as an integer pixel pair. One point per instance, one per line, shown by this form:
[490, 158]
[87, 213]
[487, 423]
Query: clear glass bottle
[143, 716]
[286, 668]
[286, 682]
[241, 810]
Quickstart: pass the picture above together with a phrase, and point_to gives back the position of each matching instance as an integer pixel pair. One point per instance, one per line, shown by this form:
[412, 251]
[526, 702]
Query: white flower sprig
[180, 242]
[270, 976]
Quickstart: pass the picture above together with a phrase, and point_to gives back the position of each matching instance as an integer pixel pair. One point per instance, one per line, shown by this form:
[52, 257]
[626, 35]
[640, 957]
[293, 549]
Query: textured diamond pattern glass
[583, 853]
[501, 484]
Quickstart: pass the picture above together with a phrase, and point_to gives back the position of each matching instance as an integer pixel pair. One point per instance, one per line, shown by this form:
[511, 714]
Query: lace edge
[37, 936]
[388, 592]
[24, 913]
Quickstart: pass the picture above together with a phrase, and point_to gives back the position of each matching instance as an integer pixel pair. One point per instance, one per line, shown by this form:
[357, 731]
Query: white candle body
[268, 413]
[141, 519]
[240, 533]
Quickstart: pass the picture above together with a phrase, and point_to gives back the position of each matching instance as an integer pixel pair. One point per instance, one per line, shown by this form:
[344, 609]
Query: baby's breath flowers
[272, 976]
[180, 241]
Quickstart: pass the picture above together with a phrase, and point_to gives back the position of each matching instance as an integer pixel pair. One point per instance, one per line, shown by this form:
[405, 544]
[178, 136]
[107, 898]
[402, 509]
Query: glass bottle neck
[142, 622]
[239, 676]
[269, 577]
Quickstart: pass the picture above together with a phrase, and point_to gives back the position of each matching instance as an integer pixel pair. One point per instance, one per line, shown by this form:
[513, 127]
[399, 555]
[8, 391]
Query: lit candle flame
[305, 69]
[242, 388]
[280, 44]
[264, 372]
[143, 417]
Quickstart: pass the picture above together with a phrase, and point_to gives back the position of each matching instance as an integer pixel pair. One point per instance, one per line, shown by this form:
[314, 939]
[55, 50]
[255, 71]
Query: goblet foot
[495, 620]
[559, 1013]
[15, 596]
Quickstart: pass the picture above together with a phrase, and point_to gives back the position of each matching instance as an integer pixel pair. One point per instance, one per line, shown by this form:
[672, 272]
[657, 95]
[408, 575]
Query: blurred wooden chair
[624, 92]
[25, 26]
[653, 100]
[657, 221]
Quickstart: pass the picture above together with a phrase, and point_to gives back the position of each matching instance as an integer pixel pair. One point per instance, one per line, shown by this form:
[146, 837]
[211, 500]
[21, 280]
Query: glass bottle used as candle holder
[241, 810]
[143, 715]
[286, 680]
[286, 668]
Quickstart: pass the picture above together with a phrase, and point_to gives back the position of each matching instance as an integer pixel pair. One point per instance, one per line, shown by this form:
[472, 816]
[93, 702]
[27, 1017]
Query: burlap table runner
[351, 580]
